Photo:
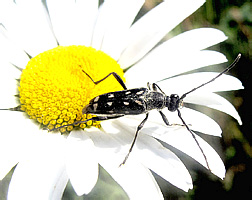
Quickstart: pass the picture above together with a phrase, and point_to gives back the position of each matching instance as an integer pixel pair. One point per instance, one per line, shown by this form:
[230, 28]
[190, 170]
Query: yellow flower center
[54, 89]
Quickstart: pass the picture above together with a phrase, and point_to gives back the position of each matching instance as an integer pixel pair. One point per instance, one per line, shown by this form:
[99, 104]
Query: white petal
[169, 64]
[181, 139]
[183, 83]
[110, 31]
[27, 27]
[200, 122]
[38, 179]
[163, 162]
[21, 139]
[10, 53]
[196, 120]
[72, 20]
[81, 162]
[146, 32]
[152, 154]
[194, 40]
[131, 175]
[214, 101]
[8, 156]
[11, 141]
[9, 85]
[159, 159]
[136, 180]
[41, 174]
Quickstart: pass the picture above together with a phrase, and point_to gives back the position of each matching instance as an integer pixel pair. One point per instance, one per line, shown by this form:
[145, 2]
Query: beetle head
[172, 102]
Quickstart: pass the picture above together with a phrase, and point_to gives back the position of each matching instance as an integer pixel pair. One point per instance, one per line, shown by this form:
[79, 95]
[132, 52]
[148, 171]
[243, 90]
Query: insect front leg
[134, 140]
[148, 85]
[155, 87]
[117, 77]
[166, 120]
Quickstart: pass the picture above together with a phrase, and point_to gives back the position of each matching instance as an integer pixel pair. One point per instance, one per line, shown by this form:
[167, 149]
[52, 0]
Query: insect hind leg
[117, 77]
[134, 140]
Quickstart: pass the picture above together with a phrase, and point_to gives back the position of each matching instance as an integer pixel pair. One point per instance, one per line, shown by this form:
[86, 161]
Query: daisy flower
[45, 47]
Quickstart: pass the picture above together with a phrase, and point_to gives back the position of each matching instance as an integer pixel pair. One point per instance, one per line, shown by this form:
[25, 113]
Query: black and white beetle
[138, 101]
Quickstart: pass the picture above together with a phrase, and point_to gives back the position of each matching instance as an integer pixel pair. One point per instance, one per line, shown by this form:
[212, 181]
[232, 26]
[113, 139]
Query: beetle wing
[127, 102]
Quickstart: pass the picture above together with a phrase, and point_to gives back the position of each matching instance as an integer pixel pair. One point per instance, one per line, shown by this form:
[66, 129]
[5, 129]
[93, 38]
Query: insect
[139, 101]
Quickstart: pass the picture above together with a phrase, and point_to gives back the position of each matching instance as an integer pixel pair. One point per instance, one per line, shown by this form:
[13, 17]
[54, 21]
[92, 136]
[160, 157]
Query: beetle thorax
[154, 100]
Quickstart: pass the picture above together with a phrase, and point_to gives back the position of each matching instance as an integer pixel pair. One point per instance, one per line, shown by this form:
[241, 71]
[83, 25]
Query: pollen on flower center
[54, 89]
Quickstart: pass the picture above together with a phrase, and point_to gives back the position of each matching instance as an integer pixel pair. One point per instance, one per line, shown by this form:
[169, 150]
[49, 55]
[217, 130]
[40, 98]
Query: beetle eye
[174, 96]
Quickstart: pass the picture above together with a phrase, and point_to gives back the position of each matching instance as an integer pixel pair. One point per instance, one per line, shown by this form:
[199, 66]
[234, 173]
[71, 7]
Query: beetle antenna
[224, 71]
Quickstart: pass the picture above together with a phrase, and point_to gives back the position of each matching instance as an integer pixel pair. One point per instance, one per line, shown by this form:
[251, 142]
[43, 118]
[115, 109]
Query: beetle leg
[164, 118]
[117, 77]
[148, 85]
[134, 140]
[155, 87]
[167, 122]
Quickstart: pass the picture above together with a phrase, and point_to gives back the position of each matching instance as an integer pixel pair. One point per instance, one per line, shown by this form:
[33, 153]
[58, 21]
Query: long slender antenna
[224, 71]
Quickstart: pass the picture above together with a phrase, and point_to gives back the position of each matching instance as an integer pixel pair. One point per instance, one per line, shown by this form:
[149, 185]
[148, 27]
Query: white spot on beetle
[139, 102]
[126, 103]
[109, 103]
[96, 99]
[111, 95]
[95, 105]
[140, 92]
[128, 92]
